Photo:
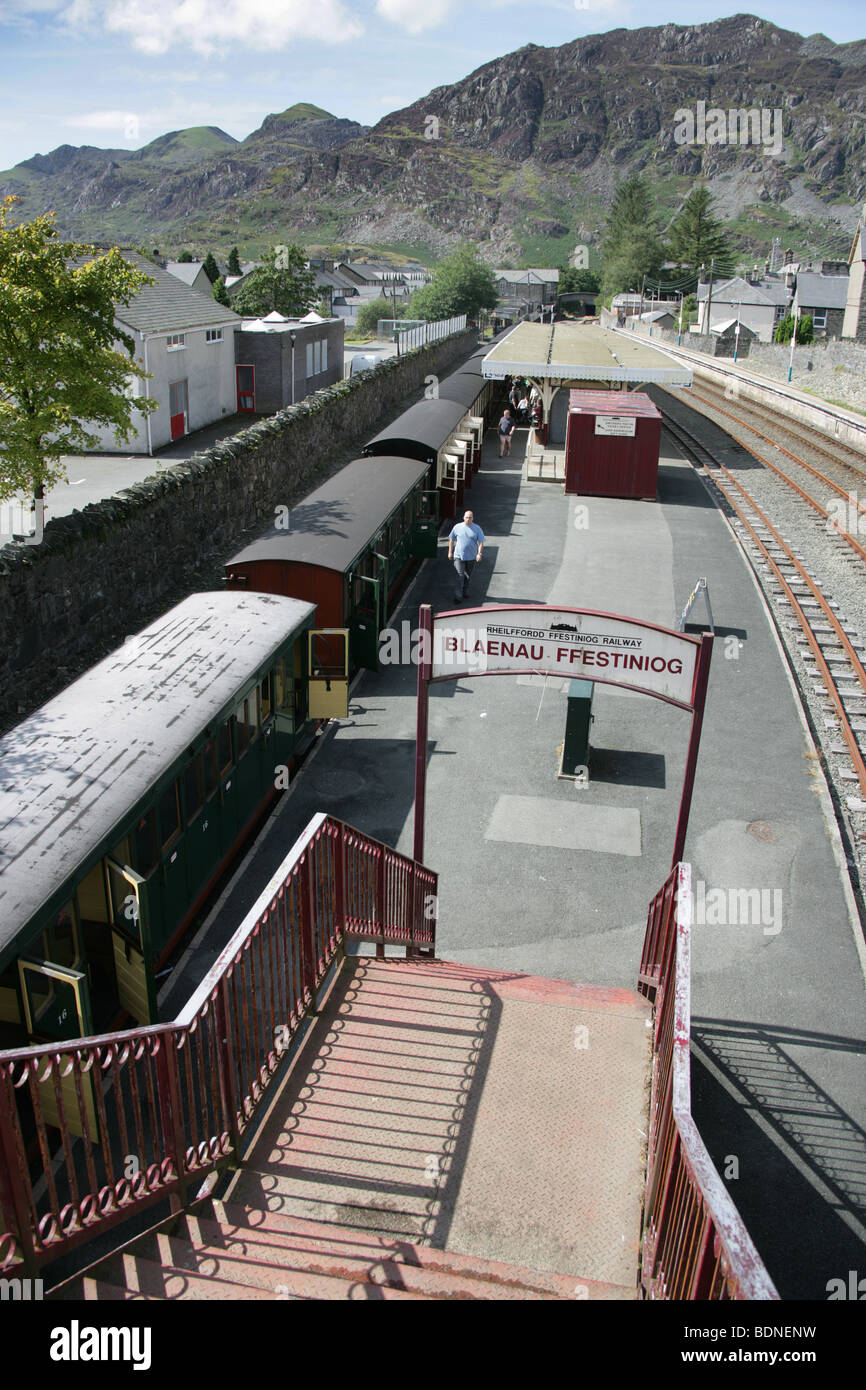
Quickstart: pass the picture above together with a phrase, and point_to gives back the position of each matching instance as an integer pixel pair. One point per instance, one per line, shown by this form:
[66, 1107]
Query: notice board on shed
[612, 444]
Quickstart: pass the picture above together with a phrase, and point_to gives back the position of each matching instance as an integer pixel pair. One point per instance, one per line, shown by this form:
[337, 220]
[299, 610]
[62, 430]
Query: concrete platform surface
[496, 1115]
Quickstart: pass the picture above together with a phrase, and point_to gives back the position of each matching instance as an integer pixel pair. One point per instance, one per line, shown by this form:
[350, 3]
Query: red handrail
[143, 1114]
[695, 1245]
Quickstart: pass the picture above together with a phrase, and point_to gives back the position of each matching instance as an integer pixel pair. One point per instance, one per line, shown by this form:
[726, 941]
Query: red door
[246, 377]
[177, 408]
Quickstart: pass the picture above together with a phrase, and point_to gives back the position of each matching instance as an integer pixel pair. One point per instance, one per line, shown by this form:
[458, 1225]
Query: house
[660, 318]
[191, 273]
[732, 336]
[758, 302]
[280, 360]
[854, 320]
[185, 342]
[530, 288]
[823, 295]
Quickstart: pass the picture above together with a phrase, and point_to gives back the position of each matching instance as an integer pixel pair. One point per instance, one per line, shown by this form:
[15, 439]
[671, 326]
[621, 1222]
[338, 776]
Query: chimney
[789, 256]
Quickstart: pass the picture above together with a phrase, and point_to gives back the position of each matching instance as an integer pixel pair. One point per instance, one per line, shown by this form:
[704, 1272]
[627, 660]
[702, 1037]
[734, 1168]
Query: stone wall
[107, 571]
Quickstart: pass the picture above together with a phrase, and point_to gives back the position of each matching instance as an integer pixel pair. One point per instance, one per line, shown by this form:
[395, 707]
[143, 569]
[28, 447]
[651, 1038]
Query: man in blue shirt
[465, 545]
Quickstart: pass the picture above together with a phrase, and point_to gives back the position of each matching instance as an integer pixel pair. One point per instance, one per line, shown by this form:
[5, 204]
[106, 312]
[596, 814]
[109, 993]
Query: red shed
[612, 444]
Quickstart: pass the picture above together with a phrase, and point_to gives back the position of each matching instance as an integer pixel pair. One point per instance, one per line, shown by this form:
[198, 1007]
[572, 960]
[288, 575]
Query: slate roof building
[185, 341]
[191, 273]
[824, 297]
[759, 304]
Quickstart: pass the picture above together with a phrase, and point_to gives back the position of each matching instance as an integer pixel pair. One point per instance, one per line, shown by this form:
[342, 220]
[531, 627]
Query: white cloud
[414, 15]
[156, 26]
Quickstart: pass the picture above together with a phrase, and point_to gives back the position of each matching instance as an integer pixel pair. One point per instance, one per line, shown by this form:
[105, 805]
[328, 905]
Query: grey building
[823, 296]
[184, 340]
[759, 303]
[281, 360]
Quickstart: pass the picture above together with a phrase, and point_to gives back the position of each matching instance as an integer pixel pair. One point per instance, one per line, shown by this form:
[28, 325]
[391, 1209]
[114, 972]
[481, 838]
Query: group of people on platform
[524, 408]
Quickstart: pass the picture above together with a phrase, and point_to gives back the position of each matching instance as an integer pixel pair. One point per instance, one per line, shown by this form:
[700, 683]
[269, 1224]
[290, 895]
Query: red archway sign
[567, 642]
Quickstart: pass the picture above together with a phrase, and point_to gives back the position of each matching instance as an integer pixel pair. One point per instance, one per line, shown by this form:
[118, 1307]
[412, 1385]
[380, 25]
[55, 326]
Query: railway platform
[548, 878]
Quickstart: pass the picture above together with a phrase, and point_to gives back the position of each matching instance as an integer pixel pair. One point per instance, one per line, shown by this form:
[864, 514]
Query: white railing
[430, 333]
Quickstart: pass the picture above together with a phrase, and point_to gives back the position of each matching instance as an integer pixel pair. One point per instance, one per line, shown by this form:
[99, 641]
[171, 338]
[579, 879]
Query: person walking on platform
[506, 430]
[465, 545]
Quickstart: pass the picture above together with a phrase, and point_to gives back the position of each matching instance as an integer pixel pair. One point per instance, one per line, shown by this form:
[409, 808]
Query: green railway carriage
[124, 797]
[349, 548]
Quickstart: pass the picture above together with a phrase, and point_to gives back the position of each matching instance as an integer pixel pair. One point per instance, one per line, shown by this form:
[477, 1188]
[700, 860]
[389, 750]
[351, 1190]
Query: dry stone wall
[107, 571]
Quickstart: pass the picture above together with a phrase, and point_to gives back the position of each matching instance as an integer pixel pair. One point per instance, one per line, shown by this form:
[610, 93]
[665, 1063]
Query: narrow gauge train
[350, 544]
[123, 798]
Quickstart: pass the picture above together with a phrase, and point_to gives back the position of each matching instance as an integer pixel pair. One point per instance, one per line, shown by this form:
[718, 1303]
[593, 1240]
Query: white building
[185, 341]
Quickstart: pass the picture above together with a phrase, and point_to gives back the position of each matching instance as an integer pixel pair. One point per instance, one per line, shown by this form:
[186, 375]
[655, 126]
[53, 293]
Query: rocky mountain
[521, 156]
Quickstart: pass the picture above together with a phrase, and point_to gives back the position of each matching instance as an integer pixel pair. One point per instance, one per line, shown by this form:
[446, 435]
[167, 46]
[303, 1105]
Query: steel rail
[845, 726]
[779, 422]
[807, 497]
[801, 463]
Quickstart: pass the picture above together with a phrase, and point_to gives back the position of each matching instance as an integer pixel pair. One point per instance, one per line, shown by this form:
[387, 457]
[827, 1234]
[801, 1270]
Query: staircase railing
[695, 1245]
[94, 1130]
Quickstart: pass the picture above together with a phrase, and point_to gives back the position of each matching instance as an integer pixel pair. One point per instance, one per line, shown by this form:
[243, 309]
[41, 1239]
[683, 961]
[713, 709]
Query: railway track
[853, 461]
[852, 504]
[827, 655]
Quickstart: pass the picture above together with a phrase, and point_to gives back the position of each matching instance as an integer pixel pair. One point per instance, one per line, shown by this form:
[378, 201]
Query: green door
[365, 624]
[131, 945]
[172, 868]
[426, 530]
[201, 811]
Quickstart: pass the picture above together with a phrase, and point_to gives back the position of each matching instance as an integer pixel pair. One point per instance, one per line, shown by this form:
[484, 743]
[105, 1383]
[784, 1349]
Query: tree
[283, 282]
[370, 313]
[696, 236]
[186, 257]
[61, 369]
[633, 247]
[221, 294]
[234, 262]
[785, 328]
[210, 268]
[572, 281]
[461, 284]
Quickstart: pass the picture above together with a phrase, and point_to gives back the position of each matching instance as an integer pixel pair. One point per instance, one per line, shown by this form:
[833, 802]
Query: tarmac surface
[549, 877]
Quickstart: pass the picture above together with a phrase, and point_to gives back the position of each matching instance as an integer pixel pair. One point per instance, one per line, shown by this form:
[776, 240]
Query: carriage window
[211, 769]
[225, 746]
[192, 788]
[254, 717]
[265, 699]
[144, 851]
[169, 815]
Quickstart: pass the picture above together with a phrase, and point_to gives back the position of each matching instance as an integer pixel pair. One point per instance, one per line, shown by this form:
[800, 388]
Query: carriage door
[369, 601]
[328, 665]
[178, 408]
[426, 533]
[136, 990]
[449, 482]
[57, 1008]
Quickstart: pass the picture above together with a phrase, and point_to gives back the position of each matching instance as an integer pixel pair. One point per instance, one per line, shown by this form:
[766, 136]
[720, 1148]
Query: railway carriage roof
[336, 523]
[71, 773]
[429, 423]
[464, 386]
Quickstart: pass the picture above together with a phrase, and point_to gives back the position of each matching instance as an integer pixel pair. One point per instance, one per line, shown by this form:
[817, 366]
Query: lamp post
[292, 341]
[680, 321]
[793, 341]
[737, 334]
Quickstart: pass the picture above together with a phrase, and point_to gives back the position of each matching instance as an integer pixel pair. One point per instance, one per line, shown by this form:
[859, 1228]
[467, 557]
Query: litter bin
[578, 723]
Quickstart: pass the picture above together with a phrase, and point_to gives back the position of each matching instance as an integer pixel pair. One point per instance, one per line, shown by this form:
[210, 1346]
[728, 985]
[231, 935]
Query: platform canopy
[561, 354]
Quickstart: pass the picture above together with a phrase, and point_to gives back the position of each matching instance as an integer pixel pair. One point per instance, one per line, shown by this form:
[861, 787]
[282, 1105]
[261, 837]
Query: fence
[141, 1115]
[695, 1245]
[430, 333]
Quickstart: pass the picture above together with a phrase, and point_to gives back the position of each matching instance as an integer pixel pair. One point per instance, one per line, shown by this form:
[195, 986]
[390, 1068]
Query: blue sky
[117, 73]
